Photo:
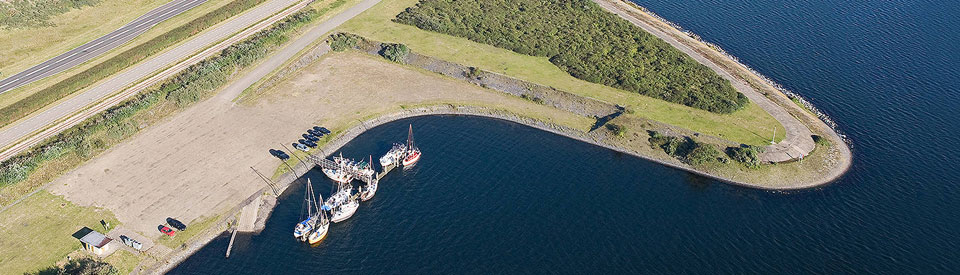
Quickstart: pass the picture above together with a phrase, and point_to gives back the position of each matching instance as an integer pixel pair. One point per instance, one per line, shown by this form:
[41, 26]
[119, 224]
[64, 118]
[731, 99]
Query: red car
[166, 230]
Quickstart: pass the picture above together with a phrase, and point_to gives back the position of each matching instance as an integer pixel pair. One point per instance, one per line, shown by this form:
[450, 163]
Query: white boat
[337, 175]
[393, 156]
[412, 154]
[322, 226]
[345, 210]
[313, 215]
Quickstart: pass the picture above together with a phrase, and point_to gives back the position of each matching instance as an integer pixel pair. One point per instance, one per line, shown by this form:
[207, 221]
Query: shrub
[584, 40]
[342, 41]
[394, 52]
[702, 153]
[84, 265]
[820, 140]
[746, 154]
[617, 129]
[474, 72]
[685, 149]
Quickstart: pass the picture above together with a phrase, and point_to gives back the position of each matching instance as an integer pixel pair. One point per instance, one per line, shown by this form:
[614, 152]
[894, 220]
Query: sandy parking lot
[196, 164]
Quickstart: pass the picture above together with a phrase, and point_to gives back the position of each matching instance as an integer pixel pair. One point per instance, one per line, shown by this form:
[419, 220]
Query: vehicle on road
[301, 147]
[166, 230]
[176, 224]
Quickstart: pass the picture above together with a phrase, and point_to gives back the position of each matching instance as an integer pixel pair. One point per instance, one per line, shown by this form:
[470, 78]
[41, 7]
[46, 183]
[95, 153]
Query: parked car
[301, 147]
[166, 230]
[308, 143]
[315, 132]
[176, 224]
[310, 137]
[323, 130]
[283, 155]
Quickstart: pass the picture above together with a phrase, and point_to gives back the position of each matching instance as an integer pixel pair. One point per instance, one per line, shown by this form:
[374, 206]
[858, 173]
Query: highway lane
[98, 46]
[20, 136]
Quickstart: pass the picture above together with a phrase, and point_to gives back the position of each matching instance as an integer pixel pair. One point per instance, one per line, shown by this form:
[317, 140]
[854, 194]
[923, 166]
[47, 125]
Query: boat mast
[410, 138]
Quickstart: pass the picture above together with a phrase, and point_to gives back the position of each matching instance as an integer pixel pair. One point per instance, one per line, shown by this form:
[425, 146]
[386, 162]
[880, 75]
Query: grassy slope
[25, 47]
[751, 125]
[36, 233]
[18, 94]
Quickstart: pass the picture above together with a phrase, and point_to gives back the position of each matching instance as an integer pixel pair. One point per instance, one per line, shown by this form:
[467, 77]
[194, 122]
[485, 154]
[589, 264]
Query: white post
[774, 136]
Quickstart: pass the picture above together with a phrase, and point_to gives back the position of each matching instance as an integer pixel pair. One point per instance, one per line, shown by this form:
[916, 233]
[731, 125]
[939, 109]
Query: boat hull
[319, 234]
[411, 159]
[345, 212]
[368, 193]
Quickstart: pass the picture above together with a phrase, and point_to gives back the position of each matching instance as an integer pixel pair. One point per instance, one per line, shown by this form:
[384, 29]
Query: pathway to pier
[798, 141]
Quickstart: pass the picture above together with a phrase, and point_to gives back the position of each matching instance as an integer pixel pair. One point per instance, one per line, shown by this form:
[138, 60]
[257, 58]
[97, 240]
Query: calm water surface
[495, 197]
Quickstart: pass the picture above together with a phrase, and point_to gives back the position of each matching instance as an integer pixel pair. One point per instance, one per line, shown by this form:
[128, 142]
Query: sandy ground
[197, 163]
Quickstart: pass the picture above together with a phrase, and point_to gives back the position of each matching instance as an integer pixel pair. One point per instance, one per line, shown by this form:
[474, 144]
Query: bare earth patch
[196, 164]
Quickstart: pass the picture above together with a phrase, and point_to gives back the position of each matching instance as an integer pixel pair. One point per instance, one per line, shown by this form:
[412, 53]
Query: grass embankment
[38, 100]
[37, 232]
[36, 13]
[750, 125]
[585, 41]
[29, 170]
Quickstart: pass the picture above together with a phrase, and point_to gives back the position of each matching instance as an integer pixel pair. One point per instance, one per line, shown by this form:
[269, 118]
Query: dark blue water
[496, 197]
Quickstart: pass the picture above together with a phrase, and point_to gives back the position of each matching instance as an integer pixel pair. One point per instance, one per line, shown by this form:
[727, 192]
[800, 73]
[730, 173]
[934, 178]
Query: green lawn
[124, 261]
[37, 232]
[751, 125]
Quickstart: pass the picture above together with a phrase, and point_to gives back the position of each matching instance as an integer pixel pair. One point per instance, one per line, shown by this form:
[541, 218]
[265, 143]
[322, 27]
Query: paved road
[98, 46]
[69, 112]
[797, 142]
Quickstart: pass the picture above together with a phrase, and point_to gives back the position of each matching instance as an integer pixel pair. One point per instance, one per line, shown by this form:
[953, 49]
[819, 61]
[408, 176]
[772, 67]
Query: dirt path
[797, 142]
[196, 164]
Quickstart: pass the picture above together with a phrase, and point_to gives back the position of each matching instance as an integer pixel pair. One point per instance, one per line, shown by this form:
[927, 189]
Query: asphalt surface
[98, 46]
[69, 112]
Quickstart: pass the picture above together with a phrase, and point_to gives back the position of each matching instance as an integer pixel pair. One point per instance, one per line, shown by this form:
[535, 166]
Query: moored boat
[322, 226]
[306, 226]
[393, 156]
[345, 210]
[412, 154]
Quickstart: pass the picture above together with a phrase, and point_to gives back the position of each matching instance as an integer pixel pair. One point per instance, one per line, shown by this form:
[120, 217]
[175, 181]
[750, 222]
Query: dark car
[176, 224]
[323, 130]
[315, 132]
[311, 144]
[279, 154]
[317, 128]
[310, 137]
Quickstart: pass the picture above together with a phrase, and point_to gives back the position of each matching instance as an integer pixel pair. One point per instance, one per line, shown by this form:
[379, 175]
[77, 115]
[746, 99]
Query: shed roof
[95, 239]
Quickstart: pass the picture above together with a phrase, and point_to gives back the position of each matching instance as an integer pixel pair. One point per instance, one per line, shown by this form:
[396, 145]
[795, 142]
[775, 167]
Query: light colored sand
[196, 164]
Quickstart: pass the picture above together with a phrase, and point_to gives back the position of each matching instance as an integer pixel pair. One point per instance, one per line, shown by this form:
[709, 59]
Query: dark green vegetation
[36, 13]
[746, 154]
[193, 84]
[394, 52]
[685, 149]
[81, 266]
[585, 41]
[119, 62]
[820, 140]
[616, 129]
[342, 41]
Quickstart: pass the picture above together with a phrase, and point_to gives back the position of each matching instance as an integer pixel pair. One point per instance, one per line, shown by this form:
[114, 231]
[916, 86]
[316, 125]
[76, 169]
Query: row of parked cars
[308, 141]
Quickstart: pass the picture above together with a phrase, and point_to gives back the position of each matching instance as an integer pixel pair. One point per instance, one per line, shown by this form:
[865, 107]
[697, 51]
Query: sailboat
[368, 191]
[413, 153]
[306, 226]
[322, 226]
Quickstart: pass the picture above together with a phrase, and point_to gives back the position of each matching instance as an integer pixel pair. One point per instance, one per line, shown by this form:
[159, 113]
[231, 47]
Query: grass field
[37, 232]
[20, 93]
[124, 261]
[24, 47]
[750, 126]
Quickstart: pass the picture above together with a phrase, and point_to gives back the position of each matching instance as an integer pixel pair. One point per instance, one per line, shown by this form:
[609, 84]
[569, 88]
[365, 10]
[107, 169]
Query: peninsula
[604, 72]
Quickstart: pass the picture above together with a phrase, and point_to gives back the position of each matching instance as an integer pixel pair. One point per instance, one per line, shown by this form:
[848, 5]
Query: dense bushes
[746, 154]
[119, 62]
[686, 149]
[617, 129]
[81, 266]
[36, 13]
[584, 40]
[191, 85]
[394, 52]
[343, 41]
